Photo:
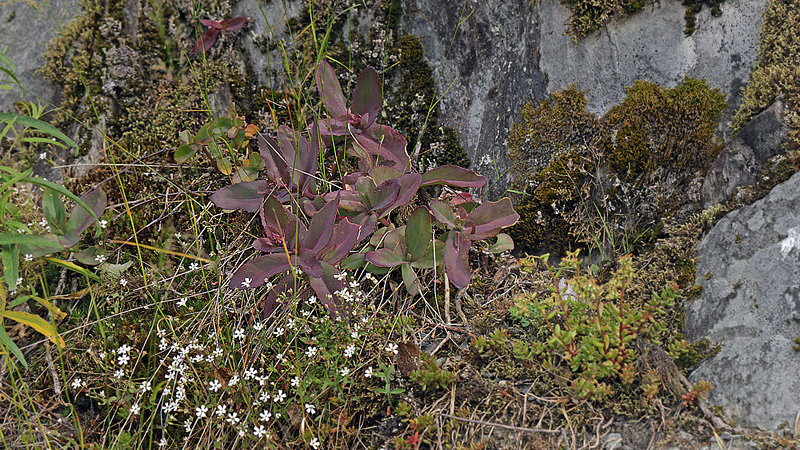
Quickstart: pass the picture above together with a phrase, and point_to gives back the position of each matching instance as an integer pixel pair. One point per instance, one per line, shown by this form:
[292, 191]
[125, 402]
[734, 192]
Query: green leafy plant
[594, 326]
[64, 232]
[430, 376]
[222, 140]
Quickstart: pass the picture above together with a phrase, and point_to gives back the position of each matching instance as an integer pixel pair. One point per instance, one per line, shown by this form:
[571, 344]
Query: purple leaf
[247, 196]
[408, 187]
[236, 23]
[321, 227]
[255, 273]
[211, 23]
[309, 263]
[326, 286]
[274, 164]
[285, 284]
[490, 217]
[331, 91]
[453, 176]
[386, 142]
[367, 97]
[456, 259]
[385, 257]
[344, 238]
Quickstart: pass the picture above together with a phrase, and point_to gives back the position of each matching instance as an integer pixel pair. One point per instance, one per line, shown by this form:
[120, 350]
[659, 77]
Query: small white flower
[135, 409]
[345, 371]
[311, 352]
[264, 397]
[214, 386]
[392, 348]
[279, 397]
[119, 373]
[258, 326]
[350, 350]
[246, 282]
[314, 443]
[310, 409]
[250, 373]
[340, 276]
[296, 381]
[290, 324]
[354, 334]
[100, 258]
[278, 331]
[234, 379]
[181, 303]
[123, 281]
[42, 156]
[103, 224]
[28, 257]
[233, 418]
[238, 334]
[221, 409]
[201, 411]
[145, 386]
[123, 359]
[177, 235]
[125, 348]
[265, 416]
[368, 372]
[242, 432]
[194, 266]
[162, 442]
[312, 300]
[259, 431]
[76, 383]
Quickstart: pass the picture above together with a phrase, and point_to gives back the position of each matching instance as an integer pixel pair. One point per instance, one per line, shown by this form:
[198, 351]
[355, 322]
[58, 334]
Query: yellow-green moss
[606, 183]
[777, 71]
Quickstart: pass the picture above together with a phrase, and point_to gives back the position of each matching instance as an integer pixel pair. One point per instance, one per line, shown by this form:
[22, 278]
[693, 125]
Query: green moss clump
[607, 183]
[776, 72]
[693, 7]
[589, 16]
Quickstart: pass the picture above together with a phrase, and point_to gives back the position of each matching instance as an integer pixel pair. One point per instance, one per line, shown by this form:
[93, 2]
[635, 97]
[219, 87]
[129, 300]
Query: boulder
[486, 56]
[26, 32]
[746, 155]
[749, 269]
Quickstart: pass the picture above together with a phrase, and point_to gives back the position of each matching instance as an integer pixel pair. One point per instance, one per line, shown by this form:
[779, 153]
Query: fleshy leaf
[367, 97]
[453, 176]
[321, 227]
[79, 218]
[385, 257]
[434, 257]
[418, 233]
[330, 90]
[326, 286]
[504, 244]
[54, 211]
[443, 213]
[456, 259]
[410, 280]
[490, 217]
[10, 259]
[256, 272]
[247, 196]
[184, 153]
[236, 23]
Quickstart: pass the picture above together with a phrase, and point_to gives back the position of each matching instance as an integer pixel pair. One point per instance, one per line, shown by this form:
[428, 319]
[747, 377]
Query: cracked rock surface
[749, 268]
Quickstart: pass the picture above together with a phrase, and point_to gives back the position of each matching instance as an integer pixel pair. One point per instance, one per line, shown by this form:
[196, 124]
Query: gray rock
[650, 45]
[490, 69]
[26, 32]
[745, 156]
[749, 268]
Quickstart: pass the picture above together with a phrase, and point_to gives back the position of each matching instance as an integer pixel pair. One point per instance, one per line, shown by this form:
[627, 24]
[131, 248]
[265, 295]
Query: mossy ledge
[608, 183]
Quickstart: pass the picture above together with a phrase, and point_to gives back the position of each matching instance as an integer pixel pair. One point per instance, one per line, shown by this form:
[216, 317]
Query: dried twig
[499, 425]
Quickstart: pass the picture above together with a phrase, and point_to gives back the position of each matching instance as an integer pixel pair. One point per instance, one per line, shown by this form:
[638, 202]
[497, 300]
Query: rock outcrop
[746, 155]
[749, 268]
[26, 32]
[486, 56]
[650, 45]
